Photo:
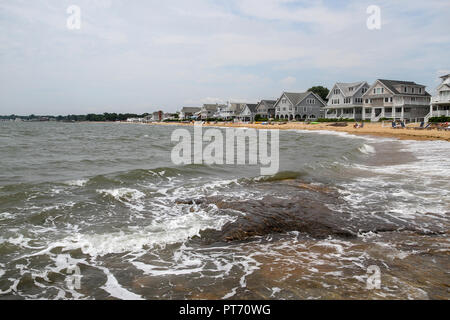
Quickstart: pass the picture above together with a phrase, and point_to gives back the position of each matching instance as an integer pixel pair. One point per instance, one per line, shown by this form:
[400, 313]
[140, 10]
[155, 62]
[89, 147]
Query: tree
[322, 92]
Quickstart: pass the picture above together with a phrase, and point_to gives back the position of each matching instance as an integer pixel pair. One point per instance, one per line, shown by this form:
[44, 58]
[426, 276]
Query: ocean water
[98, 211]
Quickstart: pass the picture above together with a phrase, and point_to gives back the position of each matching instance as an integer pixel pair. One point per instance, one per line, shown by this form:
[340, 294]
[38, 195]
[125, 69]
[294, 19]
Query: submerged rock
[306, 212]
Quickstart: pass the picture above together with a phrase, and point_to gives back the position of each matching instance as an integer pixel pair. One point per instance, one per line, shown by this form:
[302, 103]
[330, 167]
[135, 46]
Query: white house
[345, 100]
[187, 113]
[440, 103]
[208, 111]
[393, 99]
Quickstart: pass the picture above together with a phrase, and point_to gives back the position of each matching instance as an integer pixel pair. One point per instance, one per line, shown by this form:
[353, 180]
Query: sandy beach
[373, 129]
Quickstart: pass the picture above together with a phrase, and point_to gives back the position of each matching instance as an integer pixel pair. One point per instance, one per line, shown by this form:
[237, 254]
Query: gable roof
[391, 83]
[295, 97]
[210, 107]
[252, 107]
[190, 109]
[268, 102]
[345, 88]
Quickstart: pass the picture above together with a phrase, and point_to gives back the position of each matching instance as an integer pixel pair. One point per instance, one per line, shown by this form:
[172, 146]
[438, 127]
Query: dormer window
[350, 89]
[405, 89]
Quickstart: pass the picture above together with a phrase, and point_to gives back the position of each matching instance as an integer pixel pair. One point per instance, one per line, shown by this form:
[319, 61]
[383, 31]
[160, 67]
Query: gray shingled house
[299, 106]
[396, 100]
[266, 109]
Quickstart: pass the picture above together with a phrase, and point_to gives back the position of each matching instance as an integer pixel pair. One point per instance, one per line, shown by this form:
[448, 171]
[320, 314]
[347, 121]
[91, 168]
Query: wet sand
[373, 129]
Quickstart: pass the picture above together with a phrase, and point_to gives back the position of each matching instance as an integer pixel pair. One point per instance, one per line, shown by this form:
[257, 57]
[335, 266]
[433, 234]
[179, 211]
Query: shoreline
[370, 129]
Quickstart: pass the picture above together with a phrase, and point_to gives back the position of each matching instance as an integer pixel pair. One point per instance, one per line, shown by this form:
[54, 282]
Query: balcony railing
[440, 113]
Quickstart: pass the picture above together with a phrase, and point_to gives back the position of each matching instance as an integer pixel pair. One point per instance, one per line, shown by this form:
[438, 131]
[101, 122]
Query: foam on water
[366, 149]
[78, 183]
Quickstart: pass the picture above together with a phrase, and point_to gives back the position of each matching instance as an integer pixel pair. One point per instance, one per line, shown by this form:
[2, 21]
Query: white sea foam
[366, 149]
[113, 287]
[78, 183]
[123, 193]
[132, 198]
[167, 231]
[6, 215]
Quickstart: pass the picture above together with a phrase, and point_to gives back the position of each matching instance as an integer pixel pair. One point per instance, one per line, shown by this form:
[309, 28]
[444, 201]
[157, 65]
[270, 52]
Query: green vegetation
[322, 92]
[439, 119]
[89, 117]
[259, 118]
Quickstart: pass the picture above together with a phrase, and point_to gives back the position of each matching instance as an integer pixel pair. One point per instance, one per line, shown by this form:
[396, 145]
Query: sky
[141, 56]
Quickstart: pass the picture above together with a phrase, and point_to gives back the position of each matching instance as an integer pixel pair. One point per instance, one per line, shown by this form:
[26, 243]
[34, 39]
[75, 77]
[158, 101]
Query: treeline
[85, 117]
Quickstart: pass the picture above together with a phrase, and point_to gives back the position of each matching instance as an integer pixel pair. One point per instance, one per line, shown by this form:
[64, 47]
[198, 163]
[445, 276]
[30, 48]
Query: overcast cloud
[140, 56]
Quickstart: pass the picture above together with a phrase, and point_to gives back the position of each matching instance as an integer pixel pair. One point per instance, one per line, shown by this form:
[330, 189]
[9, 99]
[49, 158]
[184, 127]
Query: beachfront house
[345, 100]
[299, 106]
[440, 103]
[396, 100]
[248, 112]
[265, 109]
[187, 113]
[221, 112]
[169, 116]
[157, 116]
[231, 110]
[208, 111]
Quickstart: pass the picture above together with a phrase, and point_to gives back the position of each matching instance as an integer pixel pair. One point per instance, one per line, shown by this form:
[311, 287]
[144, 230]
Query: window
[413, 99]
[405, 89]
[347, 100]
[358, 100]
[336, 91]
[350, 89]
[364, 90]
[386, 99]
[398, 109]
[420, 90]
[378, 90]
[311, 101]
[391, 99]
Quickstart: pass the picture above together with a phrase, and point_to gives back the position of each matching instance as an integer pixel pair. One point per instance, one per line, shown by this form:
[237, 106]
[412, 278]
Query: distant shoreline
[370, 129]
